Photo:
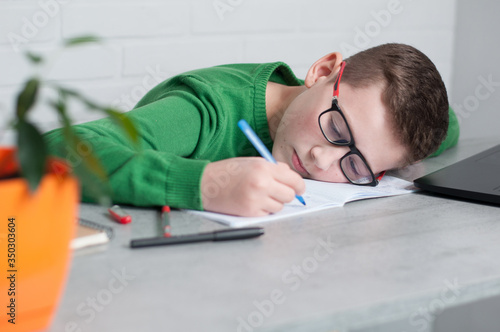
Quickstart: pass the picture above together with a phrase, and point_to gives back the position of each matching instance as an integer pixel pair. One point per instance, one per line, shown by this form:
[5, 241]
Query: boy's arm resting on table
[452, 135]
[155, 174]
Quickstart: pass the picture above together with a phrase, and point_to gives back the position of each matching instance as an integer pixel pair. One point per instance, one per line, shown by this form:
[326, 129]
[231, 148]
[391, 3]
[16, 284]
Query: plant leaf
[94, 188]
[34, 58]
[65, 92]
[120, 118]
[81, 153]
[85, 165]
[123, 121]
[72, 93]
[80, 40]
[31, 153]
[27, 97]
[91, 162]
[88, 168]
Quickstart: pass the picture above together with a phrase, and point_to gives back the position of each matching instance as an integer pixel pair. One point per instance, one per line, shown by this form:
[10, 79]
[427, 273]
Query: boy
[389, 110]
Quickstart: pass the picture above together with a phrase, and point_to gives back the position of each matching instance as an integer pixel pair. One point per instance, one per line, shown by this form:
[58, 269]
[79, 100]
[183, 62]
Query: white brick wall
[147, 41]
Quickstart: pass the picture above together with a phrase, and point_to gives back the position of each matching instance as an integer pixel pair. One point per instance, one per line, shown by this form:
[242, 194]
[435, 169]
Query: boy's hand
[249, 187]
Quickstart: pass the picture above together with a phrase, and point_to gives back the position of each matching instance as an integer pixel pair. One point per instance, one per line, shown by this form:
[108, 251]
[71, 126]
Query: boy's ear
[324, 67]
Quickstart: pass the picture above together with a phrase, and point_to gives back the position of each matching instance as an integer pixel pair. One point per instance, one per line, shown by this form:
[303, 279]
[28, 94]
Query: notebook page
[319, 196]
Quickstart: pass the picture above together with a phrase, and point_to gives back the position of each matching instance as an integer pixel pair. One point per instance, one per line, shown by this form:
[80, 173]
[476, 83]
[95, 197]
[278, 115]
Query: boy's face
[300, 143]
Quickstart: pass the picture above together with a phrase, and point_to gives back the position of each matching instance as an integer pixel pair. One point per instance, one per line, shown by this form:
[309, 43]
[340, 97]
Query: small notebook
[319, 196]
[90, 233]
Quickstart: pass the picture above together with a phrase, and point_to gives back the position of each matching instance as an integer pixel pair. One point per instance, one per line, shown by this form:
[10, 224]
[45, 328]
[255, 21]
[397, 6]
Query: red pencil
[165, 217]
[119, 215]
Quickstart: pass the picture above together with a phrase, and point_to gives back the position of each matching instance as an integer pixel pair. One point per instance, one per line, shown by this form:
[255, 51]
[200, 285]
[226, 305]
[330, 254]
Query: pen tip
[301, 199]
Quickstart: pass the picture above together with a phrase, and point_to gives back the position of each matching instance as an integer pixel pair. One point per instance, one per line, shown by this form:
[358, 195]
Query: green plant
[31, 148]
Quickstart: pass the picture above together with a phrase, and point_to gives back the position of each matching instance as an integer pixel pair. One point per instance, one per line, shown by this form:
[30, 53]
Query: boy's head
[413, 92]
[392, 98]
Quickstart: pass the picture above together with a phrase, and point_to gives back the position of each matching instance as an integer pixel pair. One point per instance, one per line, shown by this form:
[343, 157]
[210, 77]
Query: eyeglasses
[334, 127]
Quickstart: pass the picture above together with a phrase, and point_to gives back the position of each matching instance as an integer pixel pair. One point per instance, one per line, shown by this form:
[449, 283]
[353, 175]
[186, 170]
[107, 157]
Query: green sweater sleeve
[452, 135]
[161, 172]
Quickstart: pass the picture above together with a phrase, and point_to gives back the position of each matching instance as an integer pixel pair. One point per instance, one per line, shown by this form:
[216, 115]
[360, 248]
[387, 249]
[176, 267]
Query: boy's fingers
[272, 206]
[281, 192]
[288, 177]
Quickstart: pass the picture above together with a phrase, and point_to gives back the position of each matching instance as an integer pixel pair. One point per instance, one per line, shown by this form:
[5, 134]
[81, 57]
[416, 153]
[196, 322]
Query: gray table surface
[386, 264]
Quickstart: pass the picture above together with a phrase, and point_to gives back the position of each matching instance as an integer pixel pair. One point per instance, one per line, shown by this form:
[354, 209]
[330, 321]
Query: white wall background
[476, 79]
[148, 41]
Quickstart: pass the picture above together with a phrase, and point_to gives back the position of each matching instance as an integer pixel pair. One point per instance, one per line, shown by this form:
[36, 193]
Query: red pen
[165, 219]
[119, 215]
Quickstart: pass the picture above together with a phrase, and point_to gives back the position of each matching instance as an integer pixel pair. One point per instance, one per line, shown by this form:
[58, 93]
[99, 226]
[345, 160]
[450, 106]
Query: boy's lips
[297, 164]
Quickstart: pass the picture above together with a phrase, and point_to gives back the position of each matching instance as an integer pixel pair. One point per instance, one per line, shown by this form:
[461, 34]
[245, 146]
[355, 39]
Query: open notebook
[320, 196]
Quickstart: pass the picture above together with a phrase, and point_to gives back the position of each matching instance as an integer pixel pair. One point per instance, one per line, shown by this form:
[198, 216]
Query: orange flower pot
[35, 244]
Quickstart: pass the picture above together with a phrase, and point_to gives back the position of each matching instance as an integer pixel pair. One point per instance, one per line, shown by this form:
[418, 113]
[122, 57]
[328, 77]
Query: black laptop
[475, 178]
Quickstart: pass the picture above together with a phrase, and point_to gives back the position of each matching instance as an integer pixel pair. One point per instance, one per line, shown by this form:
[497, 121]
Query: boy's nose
[326, 156]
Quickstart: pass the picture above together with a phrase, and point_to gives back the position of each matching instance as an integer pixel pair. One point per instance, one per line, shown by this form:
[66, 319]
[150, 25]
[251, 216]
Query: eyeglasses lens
[335, 128]
[355, 169]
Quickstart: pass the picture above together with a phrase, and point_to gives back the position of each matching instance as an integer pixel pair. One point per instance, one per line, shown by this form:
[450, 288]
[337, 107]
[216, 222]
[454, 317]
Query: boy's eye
[334, 128]
[355, 169]
[337, 129]
[353, 166]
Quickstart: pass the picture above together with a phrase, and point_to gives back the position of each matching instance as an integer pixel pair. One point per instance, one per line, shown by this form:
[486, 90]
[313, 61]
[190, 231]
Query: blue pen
[257, 143]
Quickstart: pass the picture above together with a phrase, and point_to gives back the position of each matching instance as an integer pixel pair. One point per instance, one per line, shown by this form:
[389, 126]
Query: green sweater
[184, 123]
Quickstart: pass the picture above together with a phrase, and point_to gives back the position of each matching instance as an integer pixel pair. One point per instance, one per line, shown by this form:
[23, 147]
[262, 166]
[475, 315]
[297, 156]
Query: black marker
[222, 235]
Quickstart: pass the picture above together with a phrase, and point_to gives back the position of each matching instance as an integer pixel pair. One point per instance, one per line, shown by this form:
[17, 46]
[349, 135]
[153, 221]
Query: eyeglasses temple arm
[337, 81]
[379, 177]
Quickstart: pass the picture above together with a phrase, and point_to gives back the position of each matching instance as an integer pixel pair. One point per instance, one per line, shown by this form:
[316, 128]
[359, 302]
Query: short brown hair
[413, 93]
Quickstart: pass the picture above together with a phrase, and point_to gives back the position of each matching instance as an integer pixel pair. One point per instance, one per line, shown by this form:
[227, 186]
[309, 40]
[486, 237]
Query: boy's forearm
[141, 178]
